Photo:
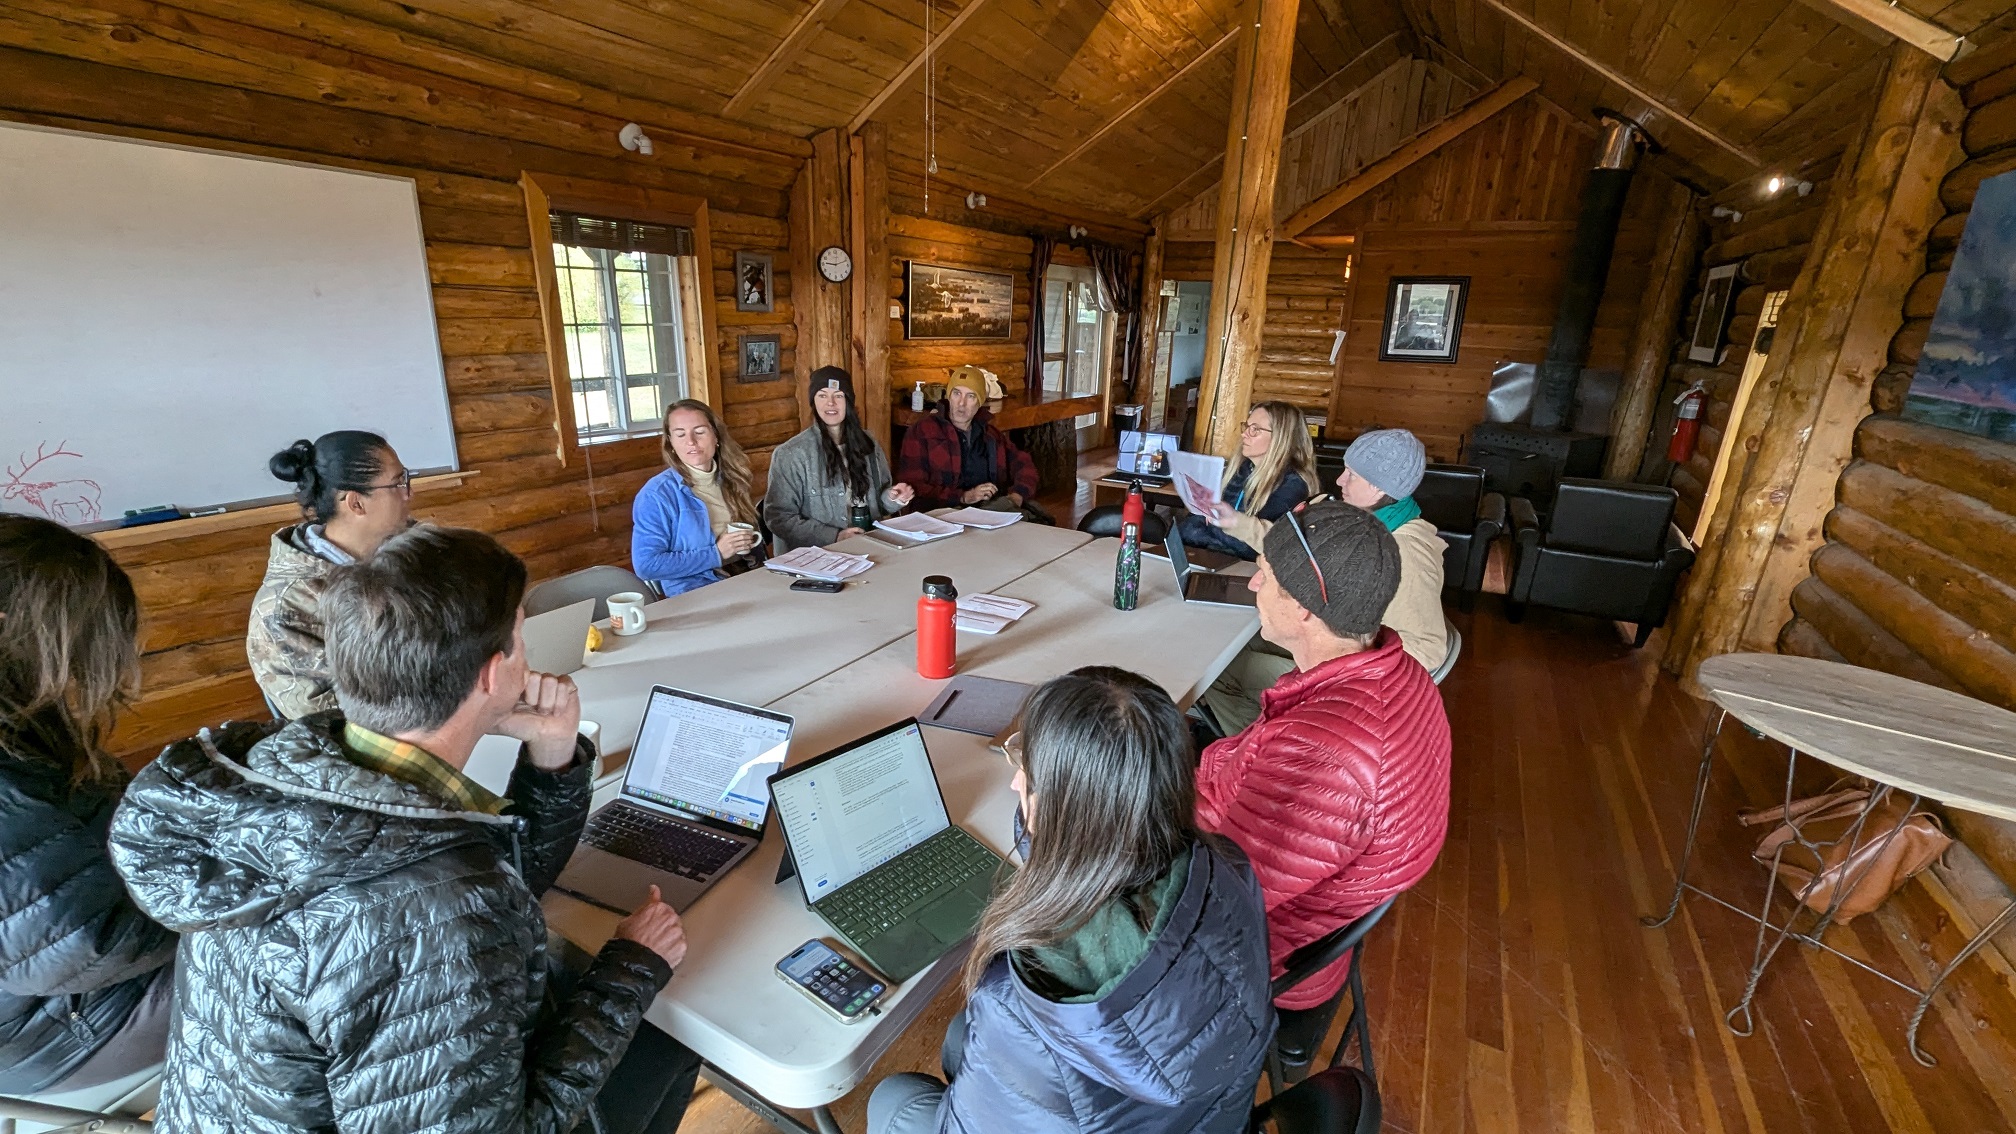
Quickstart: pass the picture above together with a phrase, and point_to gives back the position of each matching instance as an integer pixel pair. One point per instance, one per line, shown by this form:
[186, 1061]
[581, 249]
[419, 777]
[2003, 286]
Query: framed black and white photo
[1714, 313]
[958, 303]
[753, 282]
[761, 355]
[1424, 318]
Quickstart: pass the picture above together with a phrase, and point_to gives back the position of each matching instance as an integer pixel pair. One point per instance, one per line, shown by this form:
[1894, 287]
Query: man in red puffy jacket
[1339, 792]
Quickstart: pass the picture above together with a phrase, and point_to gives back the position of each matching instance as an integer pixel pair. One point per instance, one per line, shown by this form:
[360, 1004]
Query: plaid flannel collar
[415, 765]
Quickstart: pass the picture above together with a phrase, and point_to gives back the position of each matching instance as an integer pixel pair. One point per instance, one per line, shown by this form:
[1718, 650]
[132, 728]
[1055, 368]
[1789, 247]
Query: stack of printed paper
[918, 527]
[981, 518]
[989, 614]
[818, 563]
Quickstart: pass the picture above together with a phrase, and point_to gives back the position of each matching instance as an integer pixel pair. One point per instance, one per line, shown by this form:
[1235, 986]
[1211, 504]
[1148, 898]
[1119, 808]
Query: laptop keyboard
[654, 840]
[886, 895]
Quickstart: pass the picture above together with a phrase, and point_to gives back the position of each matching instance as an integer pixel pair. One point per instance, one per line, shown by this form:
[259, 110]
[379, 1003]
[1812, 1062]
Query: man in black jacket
[363, 946]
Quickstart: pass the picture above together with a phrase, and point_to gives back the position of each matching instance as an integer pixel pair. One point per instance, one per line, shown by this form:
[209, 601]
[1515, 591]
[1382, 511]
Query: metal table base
[740, 1092]
[1772, 935]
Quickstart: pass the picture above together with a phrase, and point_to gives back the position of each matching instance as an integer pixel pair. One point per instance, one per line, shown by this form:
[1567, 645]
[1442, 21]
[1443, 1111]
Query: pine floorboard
[1514, 991]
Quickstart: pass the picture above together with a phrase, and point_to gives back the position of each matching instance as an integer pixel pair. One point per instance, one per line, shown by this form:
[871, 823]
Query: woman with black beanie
[831, 480]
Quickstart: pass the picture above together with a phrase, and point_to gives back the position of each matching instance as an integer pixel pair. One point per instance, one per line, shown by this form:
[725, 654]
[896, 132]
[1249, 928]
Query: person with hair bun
[354, 495]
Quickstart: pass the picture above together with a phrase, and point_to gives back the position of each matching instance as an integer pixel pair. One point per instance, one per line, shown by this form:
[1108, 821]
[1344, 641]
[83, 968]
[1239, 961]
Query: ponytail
[347, 460]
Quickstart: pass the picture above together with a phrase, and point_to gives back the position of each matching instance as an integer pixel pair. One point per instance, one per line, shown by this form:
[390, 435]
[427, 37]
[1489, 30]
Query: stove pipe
[1588, 265]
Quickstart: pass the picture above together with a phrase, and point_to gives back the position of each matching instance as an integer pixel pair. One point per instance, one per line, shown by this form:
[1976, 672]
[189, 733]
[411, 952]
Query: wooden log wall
[1307, 292]
[1498, 204]
[1918, 576]
[937, 242]
[1771, 241]
[465, 129]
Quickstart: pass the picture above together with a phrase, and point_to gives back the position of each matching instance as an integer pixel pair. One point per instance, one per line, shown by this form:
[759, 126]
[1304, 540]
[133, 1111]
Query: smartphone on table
[847, 990]
[823, 586]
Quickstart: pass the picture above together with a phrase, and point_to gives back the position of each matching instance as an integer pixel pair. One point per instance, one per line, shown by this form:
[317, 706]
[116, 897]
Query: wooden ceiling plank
[937, 44]
[1794, 36]
[1477, 111]
[783, 55]
[1899, 24]
[1340, 84]
[1138, 104]
[1734, 39]
[1623, 83]
[1678, 41]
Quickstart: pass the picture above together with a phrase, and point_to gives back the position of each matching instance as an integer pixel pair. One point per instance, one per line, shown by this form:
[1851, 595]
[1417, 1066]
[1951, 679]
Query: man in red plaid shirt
[957, 456]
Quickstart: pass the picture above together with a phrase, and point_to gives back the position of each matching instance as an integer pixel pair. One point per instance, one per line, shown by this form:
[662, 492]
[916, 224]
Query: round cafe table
[1901, 735]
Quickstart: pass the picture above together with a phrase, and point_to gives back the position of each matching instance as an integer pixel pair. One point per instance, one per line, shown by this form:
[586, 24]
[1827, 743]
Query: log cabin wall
[928, 360]
[1307, 289]
[1497, 204]
[465, 131]
[1771, 242]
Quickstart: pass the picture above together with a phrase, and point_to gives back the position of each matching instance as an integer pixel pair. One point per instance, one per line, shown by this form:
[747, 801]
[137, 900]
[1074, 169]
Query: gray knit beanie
[1360, 562]
[1390, 460]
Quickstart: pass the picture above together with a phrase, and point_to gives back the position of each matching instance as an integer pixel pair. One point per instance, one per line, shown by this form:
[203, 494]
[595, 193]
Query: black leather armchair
[1609, 549]
[1452, 497]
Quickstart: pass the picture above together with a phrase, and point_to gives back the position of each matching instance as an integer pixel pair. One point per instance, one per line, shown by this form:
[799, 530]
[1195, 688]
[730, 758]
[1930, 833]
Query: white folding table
[775, 1045]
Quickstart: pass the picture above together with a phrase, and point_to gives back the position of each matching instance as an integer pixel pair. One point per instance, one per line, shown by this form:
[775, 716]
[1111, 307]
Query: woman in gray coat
[85, 977]
[832, 480]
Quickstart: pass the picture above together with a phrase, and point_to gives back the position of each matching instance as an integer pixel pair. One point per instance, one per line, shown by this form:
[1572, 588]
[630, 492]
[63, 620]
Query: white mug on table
[626, 613]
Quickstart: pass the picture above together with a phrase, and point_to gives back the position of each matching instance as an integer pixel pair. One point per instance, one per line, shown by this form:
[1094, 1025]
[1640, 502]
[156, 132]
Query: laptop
[556, 641]
[1145, 456]
[695, 794]
[876, 854]
[1197, 584]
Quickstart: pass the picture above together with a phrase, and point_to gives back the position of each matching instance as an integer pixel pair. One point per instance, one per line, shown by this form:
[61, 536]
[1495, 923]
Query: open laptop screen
[1146, 454]
[707, 757]
[850, 811]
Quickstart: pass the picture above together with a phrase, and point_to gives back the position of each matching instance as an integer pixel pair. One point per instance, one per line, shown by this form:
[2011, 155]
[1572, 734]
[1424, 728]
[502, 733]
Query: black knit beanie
[825, 374]
[1360, 562]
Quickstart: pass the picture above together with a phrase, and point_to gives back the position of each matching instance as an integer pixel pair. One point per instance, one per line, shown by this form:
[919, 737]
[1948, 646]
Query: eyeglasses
[404, 484]
[1012, 749]
[1295, 525]
[1250, 429]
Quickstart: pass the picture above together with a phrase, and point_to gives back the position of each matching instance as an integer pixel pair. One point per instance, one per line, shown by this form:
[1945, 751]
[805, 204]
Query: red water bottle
[937, 642]
[1135, 510]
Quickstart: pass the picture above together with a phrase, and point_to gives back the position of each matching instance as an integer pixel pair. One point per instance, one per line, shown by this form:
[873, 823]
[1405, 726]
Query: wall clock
[835, 264]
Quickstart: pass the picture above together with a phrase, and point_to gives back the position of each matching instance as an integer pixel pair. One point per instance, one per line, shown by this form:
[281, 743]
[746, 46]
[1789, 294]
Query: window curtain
[1119, 293]
[621, 235]
[1041, 249]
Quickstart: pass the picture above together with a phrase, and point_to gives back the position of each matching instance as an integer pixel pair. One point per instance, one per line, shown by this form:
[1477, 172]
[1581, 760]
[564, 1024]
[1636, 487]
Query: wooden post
[1887, 206]
[1150, 320]
[1677, 246]
[869, 203]
[1245, 221]
[819, 220]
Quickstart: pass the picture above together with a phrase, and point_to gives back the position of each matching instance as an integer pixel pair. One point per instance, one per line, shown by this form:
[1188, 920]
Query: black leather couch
[1452, 497]
[1609, 549]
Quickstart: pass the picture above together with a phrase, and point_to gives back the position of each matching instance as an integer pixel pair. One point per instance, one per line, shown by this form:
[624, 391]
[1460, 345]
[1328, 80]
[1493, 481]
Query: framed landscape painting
[1424, 318]
[958, 303]
[1966, 378]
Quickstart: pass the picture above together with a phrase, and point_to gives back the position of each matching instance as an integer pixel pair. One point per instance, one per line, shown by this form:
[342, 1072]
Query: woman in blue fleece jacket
[679, 535]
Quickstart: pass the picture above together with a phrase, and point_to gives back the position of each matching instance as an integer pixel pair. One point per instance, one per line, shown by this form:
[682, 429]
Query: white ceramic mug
[626, 613]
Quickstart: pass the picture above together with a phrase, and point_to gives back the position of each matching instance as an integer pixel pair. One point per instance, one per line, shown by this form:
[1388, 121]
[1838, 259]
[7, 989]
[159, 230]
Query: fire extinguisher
[1686, 423]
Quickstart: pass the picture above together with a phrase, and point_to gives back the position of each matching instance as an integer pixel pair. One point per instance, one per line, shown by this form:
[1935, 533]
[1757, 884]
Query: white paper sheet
[1197, 479]
[918, 527]
[995, 606]
[818, 563]
[981, 518]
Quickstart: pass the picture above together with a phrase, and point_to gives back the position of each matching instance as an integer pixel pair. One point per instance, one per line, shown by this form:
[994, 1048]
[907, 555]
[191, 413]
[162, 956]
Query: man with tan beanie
[956, 456]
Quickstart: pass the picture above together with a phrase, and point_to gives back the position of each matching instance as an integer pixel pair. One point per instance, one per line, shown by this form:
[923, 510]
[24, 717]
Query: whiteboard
[170, 318]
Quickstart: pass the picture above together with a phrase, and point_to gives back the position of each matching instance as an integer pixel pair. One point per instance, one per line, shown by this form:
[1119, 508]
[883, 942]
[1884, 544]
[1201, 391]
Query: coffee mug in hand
[626, 613]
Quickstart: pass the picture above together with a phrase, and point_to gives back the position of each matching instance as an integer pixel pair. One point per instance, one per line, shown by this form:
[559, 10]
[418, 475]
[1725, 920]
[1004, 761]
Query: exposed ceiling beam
[783, 55]
[1472, 114]
[1304, 99]
[1144, 100]
[1635, 91]
[937, 44]
[1332, 90]
[1891, 20]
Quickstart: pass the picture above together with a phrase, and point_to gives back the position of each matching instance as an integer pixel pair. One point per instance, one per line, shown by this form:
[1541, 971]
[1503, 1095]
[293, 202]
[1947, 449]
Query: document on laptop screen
[858, 810]
[708, 759]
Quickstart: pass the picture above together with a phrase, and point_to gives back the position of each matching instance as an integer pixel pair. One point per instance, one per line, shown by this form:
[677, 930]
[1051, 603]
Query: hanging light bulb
[1773, 185]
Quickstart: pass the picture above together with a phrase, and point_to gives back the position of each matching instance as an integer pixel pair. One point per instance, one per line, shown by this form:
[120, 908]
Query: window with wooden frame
[1077, 336]
[627, 309]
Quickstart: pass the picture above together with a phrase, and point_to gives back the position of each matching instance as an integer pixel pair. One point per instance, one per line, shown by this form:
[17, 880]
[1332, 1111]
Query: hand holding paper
[1197, 479]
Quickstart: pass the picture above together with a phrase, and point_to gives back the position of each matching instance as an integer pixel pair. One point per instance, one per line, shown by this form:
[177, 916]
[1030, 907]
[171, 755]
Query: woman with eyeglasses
[1274, 474]
[354, 494]
[1119, 980]
[694, 522]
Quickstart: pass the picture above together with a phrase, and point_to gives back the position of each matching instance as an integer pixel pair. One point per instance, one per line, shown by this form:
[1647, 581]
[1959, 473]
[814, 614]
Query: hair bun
[294, 463]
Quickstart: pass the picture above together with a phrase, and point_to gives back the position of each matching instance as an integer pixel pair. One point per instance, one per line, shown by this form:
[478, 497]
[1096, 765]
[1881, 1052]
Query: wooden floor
[1514, 989]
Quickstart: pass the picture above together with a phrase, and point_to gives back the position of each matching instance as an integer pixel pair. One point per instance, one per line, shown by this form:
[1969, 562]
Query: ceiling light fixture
[632, 137]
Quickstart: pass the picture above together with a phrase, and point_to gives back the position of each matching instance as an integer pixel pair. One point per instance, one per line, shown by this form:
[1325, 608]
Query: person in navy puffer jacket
[1119, 981]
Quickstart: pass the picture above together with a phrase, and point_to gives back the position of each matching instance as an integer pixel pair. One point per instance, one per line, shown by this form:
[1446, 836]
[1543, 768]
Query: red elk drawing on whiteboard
[73, 501]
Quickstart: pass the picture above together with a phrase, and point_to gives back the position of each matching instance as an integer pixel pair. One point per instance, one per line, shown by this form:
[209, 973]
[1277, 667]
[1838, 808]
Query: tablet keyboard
[655, 840]
[886, 895]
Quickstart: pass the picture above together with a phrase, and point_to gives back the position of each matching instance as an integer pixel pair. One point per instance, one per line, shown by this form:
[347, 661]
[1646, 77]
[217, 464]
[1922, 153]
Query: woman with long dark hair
[354, 495]
[1119, 981]
[831, 480]
[681, 533]
[88, 986]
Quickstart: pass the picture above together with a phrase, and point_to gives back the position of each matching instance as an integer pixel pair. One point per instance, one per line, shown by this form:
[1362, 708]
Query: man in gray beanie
[1339, 791]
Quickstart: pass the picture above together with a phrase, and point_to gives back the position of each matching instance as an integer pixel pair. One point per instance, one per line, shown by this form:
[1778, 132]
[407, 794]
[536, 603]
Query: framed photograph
[957, 303]
[1965, 379]
[1424, 318]
[1714, 313]
[760, 357]
[753, 282]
